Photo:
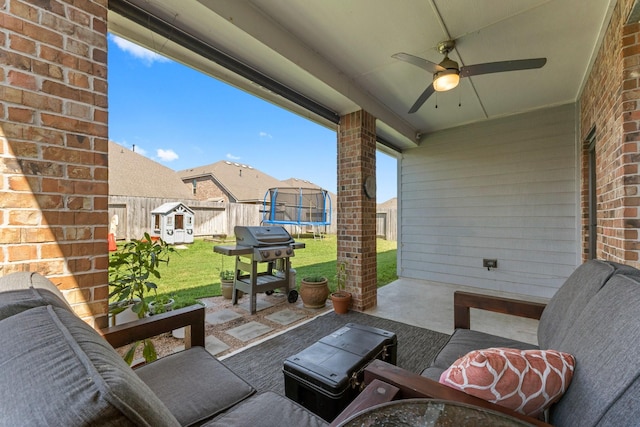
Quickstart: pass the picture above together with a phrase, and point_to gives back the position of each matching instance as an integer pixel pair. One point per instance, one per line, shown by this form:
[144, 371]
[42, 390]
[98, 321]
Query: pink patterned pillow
[527, 381]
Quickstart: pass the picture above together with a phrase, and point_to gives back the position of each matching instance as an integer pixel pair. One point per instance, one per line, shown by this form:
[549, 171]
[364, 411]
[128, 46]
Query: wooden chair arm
[412, 385]
[463, 301]
[192, 318]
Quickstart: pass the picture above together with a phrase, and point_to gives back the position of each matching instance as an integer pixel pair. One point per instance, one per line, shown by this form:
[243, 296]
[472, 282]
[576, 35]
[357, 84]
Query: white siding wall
[503, 189]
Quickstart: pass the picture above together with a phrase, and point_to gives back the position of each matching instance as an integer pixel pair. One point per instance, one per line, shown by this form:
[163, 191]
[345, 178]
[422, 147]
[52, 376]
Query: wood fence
[387, 224]
[219, 219]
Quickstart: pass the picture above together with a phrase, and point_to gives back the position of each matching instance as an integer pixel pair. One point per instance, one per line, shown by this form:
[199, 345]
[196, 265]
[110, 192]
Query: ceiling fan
[447, 74]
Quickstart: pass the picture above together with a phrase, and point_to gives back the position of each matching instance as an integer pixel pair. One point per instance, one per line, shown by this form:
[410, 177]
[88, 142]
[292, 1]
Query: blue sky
[182, 118]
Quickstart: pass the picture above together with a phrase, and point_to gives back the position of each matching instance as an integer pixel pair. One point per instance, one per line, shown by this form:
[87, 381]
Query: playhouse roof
[169, 207]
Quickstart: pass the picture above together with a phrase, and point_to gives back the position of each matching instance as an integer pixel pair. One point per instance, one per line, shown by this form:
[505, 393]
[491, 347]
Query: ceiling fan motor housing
[446, 46]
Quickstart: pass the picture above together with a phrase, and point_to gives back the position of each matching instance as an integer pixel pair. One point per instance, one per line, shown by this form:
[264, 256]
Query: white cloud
[266, 135]
[167, 155]
[232, 157]
[139, 149]
[139, 52]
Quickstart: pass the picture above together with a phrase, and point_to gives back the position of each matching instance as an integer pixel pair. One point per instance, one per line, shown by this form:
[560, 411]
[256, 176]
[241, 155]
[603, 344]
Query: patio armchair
[594, 316]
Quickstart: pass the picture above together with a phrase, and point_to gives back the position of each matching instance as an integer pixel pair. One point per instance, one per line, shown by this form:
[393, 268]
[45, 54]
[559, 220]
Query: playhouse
[173, 223]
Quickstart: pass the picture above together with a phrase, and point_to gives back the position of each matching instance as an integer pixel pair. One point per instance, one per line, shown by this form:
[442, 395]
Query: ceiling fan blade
[502, 66]
[422, 99]
[418, 62]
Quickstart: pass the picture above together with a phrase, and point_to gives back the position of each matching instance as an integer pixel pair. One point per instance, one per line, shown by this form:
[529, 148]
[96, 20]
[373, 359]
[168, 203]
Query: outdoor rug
[261, 365]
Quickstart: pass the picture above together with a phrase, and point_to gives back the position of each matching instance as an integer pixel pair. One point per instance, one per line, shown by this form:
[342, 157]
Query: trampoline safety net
[297, 206]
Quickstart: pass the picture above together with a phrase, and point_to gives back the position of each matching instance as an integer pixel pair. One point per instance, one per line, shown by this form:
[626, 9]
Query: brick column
[610, 104]
[356, 220]
[53, 147]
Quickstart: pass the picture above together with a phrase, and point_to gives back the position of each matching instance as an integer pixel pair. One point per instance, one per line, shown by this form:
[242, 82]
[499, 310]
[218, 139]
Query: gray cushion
[56, 370]
[268, 410]
[624, 411]
[570, 300]
[433, 373]
[194, 385]
[604, 341]
[22, 291]
[462, 341]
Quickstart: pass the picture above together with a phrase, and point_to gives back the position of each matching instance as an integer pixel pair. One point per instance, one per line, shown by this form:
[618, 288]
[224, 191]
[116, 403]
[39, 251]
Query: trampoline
[297, 206]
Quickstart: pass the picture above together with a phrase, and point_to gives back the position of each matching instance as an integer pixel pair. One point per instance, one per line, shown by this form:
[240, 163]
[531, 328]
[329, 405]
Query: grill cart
[271, 245]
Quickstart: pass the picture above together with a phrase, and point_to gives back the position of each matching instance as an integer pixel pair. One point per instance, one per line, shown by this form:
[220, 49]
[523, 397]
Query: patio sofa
[56, 370]
[594, 316]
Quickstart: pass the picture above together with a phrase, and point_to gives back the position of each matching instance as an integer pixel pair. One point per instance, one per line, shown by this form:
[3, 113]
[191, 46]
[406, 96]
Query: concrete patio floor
[430, 305]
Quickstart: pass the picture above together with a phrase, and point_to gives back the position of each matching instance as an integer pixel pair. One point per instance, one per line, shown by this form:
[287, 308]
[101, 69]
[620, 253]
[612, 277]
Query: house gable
[233, 181]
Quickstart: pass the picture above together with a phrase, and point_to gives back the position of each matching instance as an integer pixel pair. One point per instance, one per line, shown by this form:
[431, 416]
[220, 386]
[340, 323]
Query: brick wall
[207, 189]
[53, 147]
[356, 219]
[609, 104]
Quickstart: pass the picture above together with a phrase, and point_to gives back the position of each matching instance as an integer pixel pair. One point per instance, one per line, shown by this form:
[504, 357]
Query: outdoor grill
[270, 245]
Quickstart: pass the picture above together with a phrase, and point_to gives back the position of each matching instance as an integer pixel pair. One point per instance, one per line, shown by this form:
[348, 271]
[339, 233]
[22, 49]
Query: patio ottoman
[326, 376]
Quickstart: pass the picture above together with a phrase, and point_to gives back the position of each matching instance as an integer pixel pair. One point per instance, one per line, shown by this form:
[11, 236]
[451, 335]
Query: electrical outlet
[490, 263]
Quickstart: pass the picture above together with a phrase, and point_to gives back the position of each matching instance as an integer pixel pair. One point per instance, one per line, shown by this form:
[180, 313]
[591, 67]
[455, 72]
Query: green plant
[132, 273]
[314, 279]
[185, 302]
[341, 278]
[160, 303]
[133, 270]
[227, 275]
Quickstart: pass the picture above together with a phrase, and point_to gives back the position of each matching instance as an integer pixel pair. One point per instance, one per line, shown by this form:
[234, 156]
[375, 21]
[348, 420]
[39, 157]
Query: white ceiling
[337, 53]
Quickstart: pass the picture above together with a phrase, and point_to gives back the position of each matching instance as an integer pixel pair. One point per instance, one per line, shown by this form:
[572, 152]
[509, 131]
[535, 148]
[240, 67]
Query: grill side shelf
[233, 250]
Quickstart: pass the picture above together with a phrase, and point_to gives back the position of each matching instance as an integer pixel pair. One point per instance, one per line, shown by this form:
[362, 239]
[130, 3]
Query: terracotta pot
[226, 287]
[314, 294]
[341, 302]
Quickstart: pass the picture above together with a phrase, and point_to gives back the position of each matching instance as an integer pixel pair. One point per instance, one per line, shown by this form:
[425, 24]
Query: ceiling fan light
[446, 80]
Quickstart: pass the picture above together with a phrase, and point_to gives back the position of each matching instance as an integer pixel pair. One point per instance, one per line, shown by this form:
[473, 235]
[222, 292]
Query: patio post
[356, 219]
[53, 148]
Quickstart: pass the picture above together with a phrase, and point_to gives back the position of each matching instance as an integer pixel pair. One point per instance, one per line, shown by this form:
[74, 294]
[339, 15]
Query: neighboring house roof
[241, 182]
[132, 174]
[389, 204]
[301, 183]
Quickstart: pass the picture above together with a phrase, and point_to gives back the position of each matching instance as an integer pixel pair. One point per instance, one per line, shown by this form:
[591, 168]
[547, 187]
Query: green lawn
[194, 272]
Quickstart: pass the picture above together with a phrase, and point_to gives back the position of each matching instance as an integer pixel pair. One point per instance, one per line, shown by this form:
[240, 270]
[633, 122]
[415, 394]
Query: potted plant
[226, 284]
[341, 299]
[132, 273]
[161, 304]
[314, 291]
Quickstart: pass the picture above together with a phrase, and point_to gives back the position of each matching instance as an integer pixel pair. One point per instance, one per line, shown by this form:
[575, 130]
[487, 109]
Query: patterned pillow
[527, 381]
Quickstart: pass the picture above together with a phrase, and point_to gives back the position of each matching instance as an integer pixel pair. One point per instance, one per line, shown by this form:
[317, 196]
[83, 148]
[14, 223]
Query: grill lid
[262, 236]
